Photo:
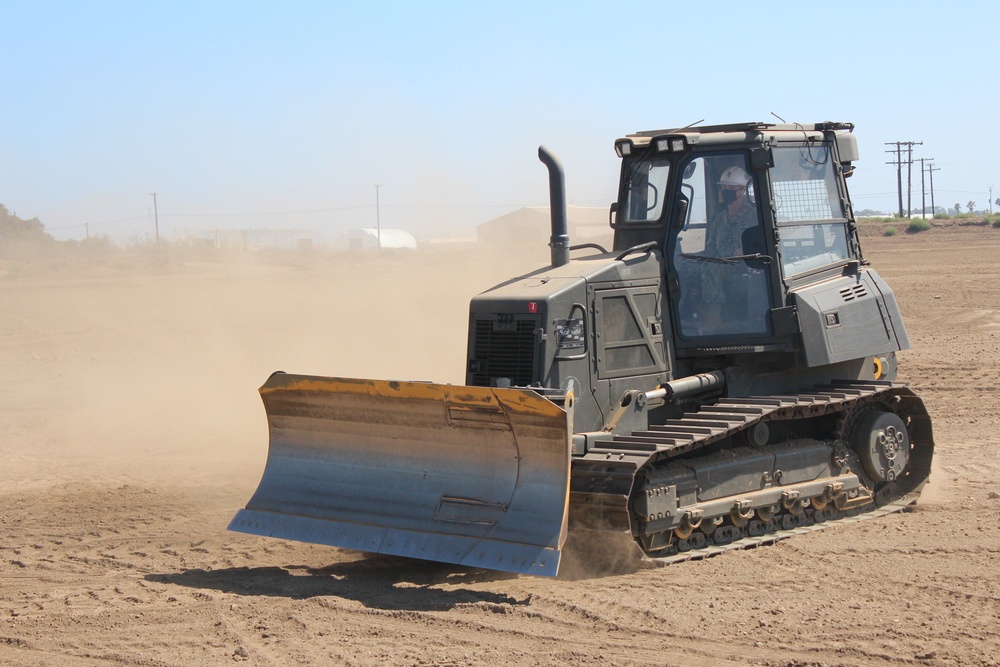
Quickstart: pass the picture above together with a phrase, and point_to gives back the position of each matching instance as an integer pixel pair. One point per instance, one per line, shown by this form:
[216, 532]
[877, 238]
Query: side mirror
[847, 146]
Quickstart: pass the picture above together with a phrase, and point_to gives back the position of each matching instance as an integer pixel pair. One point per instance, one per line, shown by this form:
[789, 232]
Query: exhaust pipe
[559, 241]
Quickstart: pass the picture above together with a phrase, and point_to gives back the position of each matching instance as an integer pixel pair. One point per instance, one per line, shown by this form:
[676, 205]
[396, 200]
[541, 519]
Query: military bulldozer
[723, 376]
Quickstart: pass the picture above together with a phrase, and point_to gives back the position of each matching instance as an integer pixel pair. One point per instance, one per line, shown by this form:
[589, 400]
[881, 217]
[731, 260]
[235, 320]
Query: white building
[365, 239]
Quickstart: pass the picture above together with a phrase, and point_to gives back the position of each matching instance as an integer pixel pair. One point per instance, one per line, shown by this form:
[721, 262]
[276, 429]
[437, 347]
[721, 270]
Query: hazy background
[253, 115]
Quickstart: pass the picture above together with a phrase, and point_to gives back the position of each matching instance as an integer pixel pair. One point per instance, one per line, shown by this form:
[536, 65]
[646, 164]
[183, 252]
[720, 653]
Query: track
[807, 526]
[609, 475]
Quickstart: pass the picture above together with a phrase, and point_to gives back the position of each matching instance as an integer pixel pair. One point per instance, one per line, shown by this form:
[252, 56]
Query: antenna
[689, 125]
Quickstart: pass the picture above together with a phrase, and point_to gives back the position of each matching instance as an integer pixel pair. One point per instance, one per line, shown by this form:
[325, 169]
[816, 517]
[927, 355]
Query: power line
[262, 213]
[870, 195]
[94, 224]
[257, 214]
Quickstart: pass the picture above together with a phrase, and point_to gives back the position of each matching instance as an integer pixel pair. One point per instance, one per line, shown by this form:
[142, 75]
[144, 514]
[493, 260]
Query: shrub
[996, 223]
[942, 216]
[918, 225]
[890, 231]
[964, 216]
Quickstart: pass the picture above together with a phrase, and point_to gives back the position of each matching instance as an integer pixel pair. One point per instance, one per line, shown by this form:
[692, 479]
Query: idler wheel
[883, 445]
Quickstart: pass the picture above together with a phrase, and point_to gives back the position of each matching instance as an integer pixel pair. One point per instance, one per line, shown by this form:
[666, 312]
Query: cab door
[719, 265]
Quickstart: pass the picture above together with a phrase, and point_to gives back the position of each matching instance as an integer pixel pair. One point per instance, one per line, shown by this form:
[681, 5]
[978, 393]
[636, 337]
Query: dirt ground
[131, 431]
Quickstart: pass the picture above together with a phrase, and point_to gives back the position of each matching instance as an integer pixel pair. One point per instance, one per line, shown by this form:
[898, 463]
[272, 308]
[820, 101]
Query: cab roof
[737, 132]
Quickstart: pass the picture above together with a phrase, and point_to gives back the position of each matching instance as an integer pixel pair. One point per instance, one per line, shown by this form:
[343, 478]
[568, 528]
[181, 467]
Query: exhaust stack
[559, 241]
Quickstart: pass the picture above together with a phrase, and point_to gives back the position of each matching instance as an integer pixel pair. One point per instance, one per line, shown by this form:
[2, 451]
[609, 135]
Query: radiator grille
[503, 351]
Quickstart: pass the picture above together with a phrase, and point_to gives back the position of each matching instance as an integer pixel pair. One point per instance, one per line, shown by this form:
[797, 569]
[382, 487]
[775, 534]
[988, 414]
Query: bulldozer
[723, 376]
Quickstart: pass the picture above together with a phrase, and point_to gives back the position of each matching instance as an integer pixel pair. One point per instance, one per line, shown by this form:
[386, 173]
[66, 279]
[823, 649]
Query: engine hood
[550, 281]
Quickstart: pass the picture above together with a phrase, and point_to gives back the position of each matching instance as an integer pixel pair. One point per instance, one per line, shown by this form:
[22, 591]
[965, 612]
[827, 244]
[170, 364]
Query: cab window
[809, 210]
[646, 190]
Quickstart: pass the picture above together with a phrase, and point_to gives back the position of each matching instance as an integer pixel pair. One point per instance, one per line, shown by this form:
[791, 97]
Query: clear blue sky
[249, 114]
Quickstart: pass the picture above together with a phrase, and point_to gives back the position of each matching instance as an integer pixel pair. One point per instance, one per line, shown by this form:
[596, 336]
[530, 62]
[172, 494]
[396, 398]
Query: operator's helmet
[735, 176]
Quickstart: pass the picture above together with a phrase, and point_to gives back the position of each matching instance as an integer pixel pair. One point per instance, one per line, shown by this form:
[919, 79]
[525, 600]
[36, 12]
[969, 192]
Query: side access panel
[849, 317]
[477, 476]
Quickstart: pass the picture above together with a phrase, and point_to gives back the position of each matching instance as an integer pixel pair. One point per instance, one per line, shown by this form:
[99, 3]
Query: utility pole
[923, 194]
[378, 219]
[931, 169]
[909, 174]
[86, 229]
[899, 171]
[156, 219]
[991, 200]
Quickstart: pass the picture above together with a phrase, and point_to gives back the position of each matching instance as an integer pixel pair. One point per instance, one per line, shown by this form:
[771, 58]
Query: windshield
[646, 187]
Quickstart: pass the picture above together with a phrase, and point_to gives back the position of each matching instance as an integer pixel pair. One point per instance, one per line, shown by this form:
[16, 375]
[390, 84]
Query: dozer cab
[724, 375]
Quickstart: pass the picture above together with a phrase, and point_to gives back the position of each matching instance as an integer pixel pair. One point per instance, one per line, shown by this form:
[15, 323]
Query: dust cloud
[590, 554]
[145, 365]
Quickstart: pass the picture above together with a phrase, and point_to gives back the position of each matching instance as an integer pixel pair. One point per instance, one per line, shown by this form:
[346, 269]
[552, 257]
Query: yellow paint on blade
[519, 401]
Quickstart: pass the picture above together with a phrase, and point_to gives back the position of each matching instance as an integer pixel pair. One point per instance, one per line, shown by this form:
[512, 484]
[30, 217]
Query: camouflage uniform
[726, 241]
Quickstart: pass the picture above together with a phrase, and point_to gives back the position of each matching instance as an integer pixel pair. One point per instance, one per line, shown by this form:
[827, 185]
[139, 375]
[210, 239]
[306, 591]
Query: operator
[725, 285]
[736, 215]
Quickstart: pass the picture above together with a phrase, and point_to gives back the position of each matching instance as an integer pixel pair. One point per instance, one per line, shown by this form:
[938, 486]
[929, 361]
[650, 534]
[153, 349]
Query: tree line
[14, 228]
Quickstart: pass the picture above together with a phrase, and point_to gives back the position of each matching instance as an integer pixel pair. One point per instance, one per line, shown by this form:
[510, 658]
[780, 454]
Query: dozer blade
[471, 475]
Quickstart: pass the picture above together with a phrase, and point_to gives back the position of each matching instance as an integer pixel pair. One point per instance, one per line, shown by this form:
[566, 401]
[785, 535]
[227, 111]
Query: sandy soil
[132, 431]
